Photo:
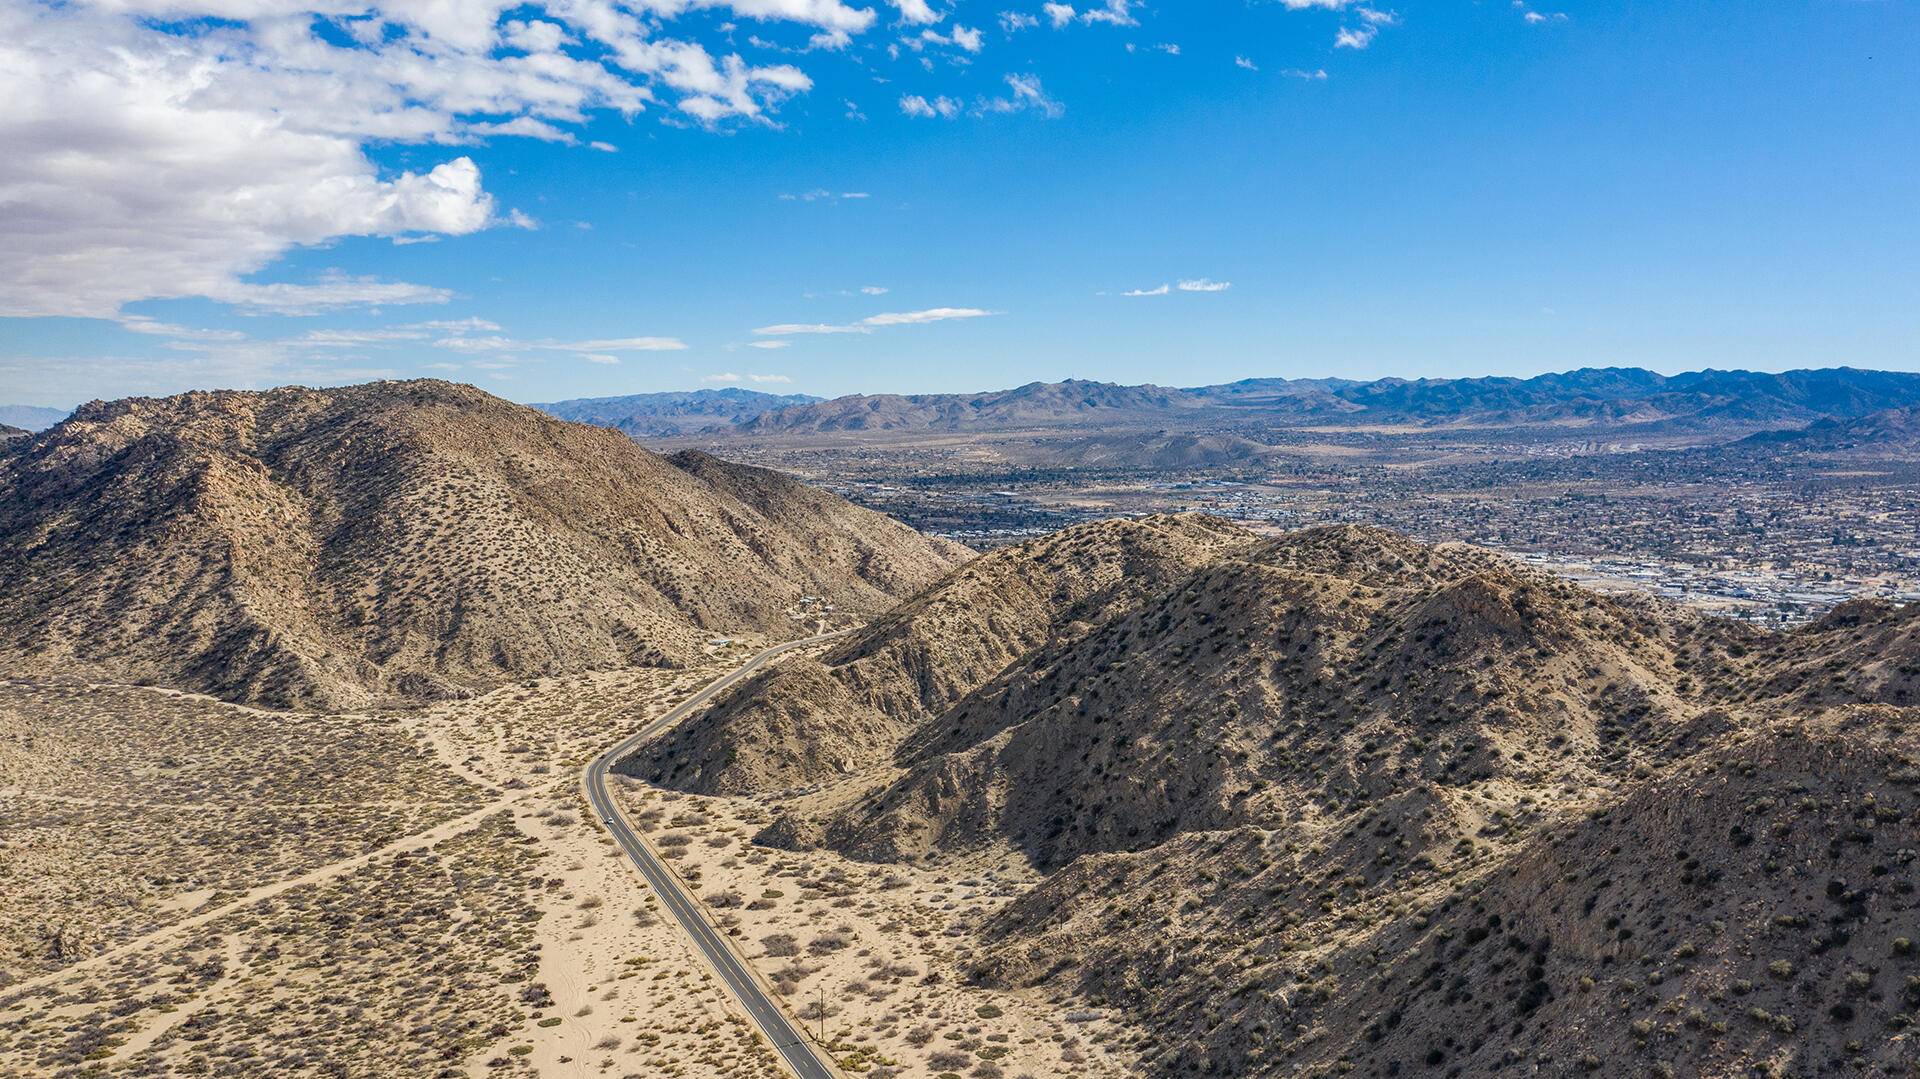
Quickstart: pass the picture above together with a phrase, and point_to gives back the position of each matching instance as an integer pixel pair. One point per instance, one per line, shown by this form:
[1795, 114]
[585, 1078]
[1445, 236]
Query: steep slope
[1749, 912]
[8, 434]
[809, 720]
[1281, 683]
[332, 547]
[822, 529]
[1340, 803]
[664, 414]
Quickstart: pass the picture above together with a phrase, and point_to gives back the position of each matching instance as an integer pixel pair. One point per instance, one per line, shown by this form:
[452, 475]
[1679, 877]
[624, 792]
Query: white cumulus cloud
[176, 148]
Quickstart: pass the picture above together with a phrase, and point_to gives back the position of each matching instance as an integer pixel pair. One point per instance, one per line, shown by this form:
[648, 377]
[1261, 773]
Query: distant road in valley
[800, 1054]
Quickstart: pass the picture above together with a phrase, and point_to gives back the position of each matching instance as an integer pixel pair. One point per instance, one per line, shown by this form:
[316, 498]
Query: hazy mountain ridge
[331, 547]
[30, 417]
[658, 414]
[1626, 398]
[1036, 403]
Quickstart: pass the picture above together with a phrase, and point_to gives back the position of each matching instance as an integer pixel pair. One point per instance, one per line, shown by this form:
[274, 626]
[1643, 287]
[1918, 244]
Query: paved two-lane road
[800, 1054]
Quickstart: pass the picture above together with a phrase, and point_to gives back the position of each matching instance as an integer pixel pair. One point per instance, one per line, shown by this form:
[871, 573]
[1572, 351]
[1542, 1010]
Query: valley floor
[193, 888]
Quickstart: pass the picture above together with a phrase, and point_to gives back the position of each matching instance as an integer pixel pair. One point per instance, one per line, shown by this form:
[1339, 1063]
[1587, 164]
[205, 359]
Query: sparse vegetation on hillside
[1341, 802]
[332, 548]
[809, 720]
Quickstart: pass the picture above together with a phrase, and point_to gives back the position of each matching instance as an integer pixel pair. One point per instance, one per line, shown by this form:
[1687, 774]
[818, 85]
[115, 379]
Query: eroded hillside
[814, 719]
[1339, 802]
[329, 548]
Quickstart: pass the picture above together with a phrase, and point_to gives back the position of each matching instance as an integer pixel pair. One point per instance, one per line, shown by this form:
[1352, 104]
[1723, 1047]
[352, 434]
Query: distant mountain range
[659, 414]
[30, 417]
[1609, 398]
[1035, 404]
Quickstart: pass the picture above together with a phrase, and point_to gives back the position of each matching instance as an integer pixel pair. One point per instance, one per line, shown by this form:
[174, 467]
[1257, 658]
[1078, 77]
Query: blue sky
[1413, 189]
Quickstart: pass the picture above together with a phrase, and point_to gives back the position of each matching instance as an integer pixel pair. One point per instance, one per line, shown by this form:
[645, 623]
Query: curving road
[800, 1054]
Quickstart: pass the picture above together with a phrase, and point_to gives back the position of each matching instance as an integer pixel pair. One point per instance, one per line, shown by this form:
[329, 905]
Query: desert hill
[8, 434]
[808, 720]
[646, 415]
[1156, 451]
[331, 547]
[1893, 429]
[1338, 802]
[1243, 694]
[1748, 912]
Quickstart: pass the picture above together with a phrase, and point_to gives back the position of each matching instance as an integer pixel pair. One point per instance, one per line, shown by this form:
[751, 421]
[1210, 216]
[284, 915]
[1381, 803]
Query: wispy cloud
[1025, 94]
[962, 38]
[360, 338]
[1189, 284]
[1115, 13]
[620, 344]
[457, 325]
[873, 322]
[792, 329]
[821, 194]
[917, 318]
[156, 328]
[601, 351]
[1355, 37]
[916, 105]
[1359, 37]
[1202, 284]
